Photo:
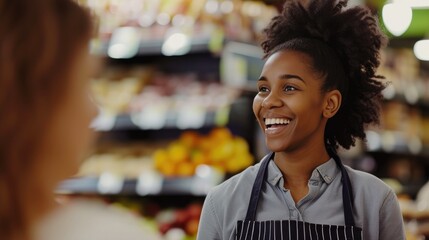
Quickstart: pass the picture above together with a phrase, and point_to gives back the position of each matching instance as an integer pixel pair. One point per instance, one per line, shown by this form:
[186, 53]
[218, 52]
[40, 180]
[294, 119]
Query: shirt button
[294, 213]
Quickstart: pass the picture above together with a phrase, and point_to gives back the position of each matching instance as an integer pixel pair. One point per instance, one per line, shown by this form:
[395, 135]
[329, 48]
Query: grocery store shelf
[187, 118]
[147, 185]
[153, 47]
[411, 94]
[395, 143]
[167, 120]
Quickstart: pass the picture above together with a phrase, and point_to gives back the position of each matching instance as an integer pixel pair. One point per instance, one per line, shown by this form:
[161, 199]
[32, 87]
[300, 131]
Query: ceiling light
[421, 50]
[397, 17]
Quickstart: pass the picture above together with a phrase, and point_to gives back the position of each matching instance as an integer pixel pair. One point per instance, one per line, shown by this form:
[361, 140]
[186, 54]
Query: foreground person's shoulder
[93, 220]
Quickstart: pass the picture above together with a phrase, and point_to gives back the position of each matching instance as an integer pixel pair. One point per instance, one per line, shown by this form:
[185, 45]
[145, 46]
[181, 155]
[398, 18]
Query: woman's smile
[276, 126]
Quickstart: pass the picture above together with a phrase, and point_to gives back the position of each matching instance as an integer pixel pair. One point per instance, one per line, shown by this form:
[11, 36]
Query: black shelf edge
[153, 47]
[189, 186]
[421, 101]
[395, 143]
[125, 121]
[221, 117]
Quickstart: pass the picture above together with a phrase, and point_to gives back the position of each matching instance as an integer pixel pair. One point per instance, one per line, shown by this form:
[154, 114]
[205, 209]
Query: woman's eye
[263, 89]
[289, 88]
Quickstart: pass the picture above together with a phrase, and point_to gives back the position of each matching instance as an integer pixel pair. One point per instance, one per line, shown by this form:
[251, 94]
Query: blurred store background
[175, 98]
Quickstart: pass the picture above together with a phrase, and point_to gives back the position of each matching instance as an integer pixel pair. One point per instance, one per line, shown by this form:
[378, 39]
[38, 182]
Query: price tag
[110, 183]
[103, 122]
[205, 179]
[125, 43]
[151, 117]
[149, 182]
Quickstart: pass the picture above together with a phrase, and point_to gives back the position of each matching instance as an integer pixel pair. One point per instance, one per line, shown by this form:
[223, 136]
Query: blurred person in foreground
[44, 128]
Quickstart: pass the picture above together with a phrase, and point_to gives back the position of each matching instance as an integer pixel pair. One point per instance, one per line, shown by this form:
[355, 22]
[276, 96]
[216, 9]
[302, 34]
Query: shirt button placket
[293, 214]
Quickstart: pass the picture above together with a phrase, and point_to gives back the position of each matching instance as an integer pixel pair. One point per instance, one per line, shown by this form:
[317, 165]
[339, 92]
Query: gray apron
[249, 229]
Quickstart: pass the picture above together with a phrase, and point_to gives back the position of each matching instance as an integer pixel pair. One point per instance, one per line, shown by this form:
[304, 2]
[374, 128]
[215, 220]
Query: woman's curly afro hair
[344, 46]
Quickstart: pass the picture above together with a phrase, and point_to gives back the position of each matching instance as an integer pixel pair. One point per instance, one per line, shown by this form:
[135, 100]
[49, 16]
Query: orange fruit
[161, 157]
[190, 139]
[178, 153]
[186, 169]
[240, 145]
[220, 135]
[198, 157]
[168, 169]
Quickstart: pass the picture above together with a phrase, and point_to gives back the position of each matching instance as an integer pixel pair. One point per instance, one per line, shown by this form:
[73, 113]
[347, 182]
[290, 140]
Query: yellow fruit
[161, 157]
[168, 169]
[198, 157]
[220, 135]
[238, 162]
[190, 139]
[222, 152]
[186, 169]
[178, 153]
[240, 145]
[205, 144]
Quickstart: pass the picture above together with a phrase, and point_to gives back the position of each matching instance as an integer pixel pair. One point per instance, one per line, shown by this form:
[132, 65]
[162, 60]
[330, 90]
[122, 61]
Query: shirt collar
[326, 172]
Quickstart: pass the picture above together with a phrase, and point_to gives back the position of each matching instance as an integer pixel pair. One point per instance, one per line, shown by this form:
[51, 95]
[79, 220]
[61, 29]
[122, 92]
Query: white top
[90, 220]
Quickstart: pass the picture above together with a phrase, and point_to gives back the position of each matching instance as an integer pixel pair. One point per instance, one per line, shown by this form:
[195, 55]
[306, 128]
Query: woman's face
[69, 138]
[289, 105]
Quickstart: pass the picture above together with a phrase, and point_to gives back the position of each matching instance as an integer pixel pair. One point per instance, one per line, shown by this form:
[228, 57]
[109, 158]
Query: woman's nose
[272, 100]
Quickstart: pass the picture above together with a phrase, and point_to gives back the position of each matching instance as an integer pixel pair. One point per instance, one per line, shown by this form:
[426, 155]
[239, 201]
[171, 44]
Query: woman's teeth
[272, 121]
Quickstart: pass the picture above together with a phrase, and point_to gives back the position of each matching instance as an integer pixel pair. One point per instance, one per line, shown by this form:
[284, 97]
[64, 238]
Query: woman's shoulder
[92, 220]
[240, 182]
[364, 183]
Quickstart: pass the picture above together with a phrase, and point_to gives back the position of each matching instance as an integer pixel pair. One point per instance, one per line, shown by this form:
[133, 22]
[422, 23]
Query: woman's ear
[332, 103]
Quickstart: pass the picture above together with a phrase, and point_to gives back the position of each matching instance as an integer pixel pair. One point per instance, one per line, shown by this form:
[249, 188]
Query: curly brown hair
[344, 45]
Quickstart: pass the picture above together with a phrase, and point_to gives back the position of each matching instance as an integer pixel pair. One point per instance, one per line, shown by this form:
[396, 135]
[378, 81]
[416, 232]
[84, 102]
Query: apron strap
[346, 191]
[347, 188]
[257, 187]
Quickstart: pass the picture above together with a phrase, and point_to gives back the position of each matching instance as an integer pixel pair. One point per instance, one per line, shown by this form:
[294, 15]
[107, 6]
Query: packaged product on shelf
[116, 88]
[416, 214]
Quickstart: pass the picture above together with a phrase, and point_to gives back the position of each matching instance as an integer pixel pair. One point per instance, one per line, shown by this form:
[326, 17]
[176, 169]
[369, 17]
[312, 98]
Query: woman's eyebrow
[284, 77]
[289, 76]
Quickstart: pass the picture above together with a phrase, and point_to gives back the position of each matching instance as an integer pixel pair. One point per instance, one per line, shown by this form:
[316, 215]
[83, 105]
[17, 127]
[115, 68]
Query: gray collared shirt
[376, 209]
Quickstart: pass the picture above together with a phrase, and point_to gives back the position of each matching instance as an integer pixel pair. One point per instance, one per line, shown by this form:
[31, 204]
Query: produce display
[173, 223]
[185, 220]
[176, 158]
[219, 149]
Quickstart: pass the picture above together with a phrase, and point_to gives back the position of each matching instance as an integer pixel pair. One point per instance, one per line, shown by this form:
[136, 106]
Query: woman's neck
[300, 163]
[297, 167]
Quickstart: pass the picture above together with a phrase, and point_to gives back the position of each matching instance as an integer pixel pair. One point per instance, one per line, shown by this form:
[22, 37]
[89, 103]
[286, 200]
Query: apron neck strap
[257, 187]
[347, 188]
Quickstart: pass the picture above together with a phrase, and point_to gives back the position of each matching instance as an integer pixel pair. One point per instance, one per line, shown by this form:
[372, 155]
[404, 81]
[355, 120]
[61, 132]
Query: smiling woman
[317, 91]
